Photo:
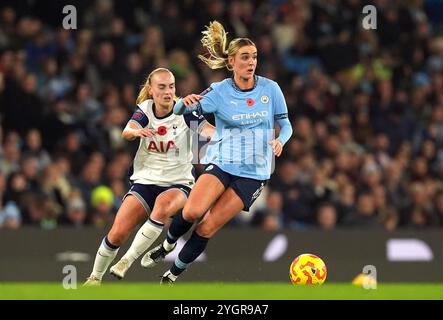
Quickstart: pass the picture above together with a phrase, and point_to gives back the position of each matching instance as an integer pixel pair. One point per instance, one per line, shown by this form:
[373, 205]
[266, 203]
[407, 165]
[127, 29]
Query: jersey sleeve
[140, 118]
[194, 120]
[209, 102]
[279, 105]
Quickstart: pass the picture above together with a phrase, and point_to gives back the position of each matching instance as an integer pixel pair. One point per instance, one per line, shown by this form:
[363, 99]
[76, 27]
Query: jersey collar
[234, 85]
[165, 116]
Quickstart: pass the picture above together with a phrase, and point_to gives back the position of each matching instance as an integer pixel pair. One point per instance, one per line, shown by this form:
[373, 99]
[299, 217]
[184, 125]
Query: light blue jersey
[245, 124]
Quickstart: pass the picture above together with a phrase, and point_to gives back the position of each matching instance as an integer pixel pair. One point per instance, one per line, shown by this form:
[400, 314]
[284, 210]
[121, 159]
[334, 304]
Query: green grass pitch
[219, 291]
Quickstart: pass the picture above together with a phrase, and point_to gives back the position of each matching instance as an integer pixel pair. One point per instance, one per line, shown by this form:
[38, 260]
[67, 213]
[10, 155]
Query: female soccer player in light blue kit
[239, 158]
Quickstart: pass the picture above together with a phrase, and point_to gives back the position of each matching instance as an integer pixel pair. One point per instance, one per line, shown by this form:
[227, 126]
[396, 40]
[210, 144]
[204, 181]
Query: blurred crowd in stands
[366, 106]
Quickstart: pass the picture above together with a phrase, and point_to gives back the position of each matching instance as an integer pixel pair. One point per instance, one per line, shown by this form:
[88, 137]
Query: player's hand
[191, 99]
[144, 133]
[277, 147]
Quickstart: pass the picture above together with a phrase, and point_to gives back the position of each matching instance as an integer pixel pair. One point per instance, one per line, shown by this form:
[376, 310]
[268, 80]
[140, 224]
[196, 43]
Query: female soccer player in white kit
[162, 173]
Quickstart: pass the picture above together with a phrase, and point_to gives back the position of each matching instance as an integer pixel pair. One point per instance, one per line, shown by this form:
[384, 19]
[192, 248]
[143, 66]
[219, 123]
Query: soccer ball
[307, 269]
[364, 280]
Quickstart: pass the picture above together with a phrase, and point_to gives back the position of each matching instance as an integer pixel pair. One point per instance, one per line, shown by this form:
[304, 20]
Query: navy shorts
[246, 188]
[147, 193]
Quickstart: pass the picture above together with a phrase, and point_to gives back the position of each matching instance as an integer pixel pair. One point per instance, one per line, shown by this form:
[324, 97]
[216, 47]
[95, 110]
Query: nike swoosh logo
[145, 236]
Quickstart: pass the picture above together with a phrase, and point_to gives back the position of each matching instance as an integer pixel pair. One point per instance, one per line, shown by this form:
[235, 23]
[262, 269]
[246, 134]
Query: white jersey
[166, 158]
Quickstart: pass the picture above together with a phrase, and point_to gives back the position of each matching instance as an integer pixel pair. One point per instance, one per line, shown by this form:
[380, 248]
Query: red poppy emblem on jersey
[162, 130]
[250, 102]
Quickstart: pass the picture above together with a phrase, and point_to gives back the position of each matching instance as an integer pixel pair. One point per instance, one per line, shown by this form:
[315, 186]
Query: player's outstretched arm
[187, 104]
[132, 131]
[179, 107]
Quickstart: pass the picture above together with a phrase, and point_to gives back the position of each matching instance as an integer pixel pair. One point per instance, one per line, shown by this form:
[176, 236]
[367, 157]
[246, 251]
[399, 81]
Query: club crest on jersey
[162, 130]
[174, 127]
[264, 99]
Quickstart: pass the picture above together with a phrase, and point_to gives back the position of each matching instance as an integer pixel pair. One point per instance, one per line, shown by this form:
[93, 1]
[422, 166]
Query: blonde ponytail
[214, 40]
[144, 92]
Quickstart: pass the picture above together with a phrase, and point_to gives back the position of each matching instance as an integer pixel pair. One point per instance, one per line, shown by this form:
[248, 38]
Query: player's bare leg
[207, 189]
[128, 216]
[224, 210]
[166, 205]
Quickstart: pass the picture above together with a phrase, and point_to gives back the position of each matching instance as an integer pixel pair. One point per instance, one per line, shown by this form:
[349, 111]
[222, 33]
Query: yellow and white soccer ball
[307, 269]
[365, 281]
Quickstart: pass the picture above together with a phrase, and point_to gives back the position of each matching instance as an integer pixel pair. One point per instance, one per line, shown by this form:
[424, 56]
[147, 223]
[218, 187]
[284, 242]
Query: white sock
[103, 259]
[170, 275]
[144, 238]
[168, 246]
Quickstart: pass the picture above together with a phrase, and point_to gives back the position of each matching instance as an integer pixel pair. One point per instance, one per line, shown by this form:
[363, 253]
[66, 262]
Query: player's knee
[160, 215]
[206, 230]
[191, 213]
[117, 237]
